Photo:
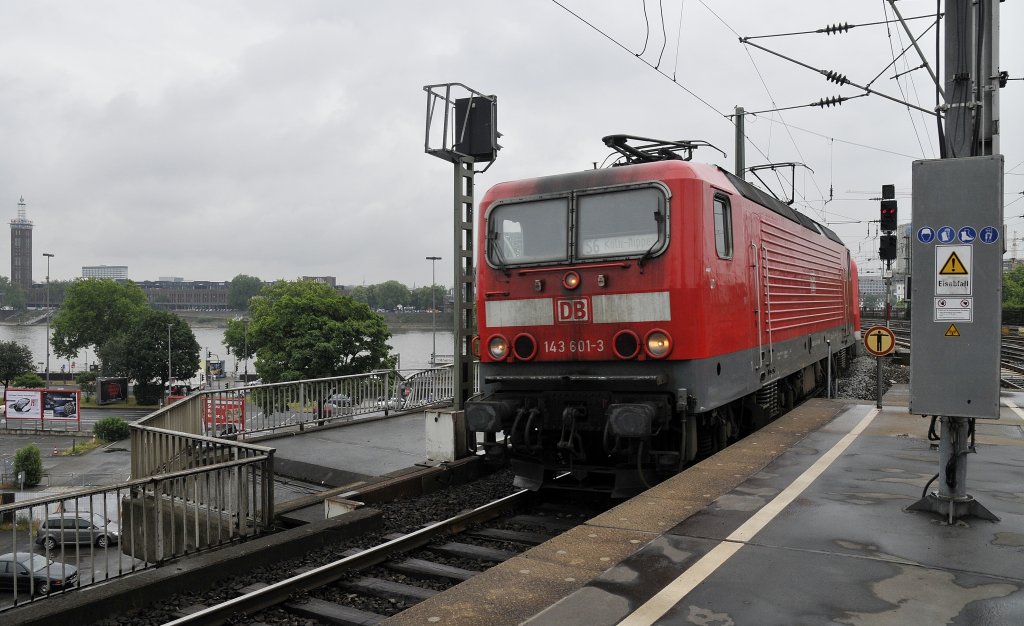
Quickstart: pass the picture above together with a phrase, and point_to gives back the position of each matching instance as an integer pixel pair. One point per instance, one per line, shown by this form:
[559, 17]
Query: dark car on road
[35, 574]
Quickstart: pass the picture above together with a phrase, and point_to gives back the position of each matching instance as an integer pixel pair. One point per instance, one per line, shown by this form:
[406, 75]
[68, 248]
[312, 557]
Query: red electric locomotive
[635, 318]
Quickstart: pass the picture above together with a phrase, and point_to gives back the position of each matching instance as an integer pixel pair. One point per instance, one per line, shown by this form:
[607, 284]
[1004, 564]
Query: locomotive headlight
[571, 280]
[658, 344]
[498, 347]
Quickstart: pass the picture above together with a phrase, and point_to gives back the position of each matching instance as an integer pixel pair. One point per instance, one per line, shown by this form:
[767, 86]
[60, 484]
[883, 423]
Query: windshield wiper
[499, 256]
[659, 219]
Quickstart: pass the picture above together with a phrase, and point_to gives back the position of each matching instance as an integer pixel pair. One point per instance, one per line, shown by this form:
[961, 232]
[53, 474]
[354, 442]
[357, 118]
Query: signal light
[888, 210]
[888, 216]
[887, 248]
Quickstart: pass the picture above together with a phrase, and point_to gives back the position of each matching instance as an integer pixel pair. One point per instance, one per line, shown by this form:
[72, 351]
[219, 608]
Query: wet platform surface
[352, 452]
[803, 523]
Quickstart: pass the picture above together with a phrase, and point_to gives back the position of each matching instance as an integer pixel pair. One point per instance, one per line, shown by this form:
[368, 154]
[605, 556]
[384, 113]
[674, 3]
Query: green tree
[391, 294]
[236, 339]
[145, 344]
[113, 356]
[28, 380]
[421, 297]
[15, 359]
[301, 330]
[241, 289]
[111, 428]
[361, 293]
[11, 295]
[28, 460]
[1013, 287]
[94, 311]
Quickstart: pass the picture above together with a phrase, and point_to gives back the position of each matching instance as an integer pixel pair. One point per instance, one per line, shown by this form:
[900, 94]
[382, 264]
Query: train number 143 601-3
[574, 345]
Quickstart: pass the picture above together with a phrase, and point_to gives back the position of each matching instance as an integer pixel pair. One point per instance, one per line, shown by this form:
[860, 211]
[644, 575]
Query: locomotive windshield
[608, 224]
[623, 223]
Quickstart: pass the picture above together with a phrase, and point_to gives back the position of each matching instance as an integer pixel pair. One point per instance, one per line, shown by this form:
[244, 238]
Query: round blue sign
[989, 234]
[925, 234]
[967, 234]
[946, 234]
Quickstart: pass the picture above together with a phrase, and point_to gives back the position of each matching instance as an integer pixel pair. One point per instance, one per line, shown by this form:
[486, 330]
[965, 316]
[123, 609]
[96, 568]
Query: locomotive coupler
[571, 440]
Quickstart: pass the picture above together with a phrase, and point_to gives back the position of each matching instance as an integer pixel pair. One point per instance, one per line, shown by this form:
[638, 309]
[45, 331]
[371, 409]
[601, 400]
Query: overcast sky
[280, 139]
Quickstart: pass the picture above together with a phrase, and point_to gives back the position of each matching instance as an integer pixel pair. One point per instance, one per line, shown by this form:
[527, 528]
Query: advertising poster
[23, 404]
[60, 404]
[216, 370]
[111, 390]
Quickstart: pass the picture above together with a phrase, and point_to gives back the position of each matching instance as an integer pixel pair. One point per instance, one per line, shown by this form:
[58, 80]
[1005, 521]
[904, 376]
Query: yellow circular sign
[879, 340]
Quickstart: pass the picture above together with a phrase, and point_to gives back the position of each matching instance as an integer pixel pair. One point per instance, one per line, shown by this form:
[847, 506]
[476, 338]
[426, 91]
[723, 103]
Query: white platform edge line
[664, 600]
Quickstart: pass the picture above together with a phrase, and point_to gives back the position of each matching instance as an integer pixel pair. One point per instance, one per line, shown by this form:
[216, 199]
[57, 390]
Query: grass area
[81, 448]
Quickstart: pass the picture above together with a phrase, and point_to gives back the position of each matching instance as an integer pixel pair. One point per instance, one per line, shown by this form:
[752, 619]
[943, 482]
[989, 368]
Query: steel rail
[281, 591]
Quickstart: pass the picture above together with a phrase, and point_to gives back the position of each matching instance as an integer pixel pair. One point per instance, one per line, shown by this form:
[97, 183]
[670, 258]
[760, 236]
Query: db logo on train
[573, 310]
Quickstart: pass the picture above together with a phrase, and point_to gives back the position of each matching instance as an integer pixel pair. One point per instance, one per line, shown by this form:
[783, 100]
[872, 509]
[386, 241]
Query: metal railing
[194, 485]
[267, 408]
[94, 535]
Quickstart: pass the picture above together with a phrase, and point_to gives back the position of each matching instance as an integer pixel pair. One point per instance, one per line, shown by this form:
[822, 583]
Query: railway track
[1011, 353]
[403, 570]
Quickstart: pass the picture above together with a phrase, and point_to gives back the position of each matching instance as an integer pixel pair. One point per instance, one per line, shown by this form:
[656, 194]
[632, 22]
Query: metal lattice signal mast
[972, 78]
[467, 134]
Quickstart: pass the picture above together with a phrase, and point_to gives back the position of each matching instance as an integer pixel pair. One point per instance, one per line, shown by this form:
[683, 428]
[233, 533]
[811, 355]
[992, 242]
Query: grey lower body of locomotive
[635, 400]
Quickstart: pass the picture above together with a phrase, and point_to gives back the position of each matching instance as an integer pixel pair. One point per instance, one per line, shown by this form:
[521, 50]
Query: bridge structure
[198, 478]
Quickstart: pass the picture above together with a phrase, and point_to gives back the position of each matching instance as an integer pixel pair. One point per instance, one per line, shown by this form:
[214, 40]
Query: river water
[412, 346]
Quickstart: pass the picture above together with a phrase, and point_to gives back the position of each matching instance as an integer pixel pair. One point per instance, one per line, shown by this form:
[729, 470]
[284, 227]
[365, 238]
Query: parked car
[77, 528]
[392, 403]
[35, 573]
[337, 404]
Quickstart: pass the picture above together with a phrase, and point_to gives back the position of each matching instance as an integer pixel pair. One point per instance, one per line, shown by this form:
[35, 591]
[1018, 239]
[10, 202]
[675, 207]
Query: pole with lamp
[433, 311]
[48, 257]
[245, 349]
[169, 379]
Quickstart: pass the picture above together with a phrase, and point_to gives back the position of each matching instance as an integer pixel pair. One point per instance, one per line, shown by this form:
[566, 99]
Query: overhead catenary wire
[631, 53]
[895, 58]
[836, 29]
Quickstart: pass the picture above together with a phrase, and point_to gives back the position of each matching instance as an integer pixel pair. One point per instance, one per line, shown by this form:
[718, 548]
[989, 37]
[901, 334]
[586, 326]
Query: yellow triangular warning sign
[953, 265]
[952, 331]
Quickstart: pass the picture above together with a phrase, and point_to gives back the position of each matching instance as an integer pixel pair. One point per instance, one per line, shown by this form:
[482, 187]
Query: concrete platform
[351, 452]
[801, 523]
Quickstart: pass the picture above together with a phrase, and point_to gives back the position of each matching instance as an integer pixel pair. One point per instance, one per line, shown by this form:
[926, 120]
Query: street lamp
[245, 350]
[48, 257]
[169, 379]
[433, 311]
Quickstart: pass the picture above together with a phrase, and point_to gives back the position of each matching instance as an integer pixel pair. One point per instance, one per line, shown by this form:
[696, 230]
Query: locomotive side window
[723, 227]
[620, 223]
[529, 232]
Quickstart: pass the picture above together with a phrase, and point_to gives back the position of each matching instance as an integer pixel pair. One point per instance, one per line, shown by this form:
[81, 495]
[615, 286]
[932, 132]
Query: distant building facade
[330, 281]
[186, 295]
[21, 249]
[117, 272]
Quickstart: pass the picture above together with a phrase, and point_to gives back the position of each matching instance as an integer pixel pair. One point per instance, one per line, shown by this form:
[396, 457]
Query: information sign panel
[957, 272]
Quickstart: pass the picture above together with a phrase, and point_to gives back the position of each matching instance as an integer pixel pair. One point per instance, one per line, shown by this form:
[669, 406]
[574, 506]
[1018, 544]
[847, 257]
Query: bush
[148, 393]
[85, 379]
[29, 381]
[111, 429]
[28, 460]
